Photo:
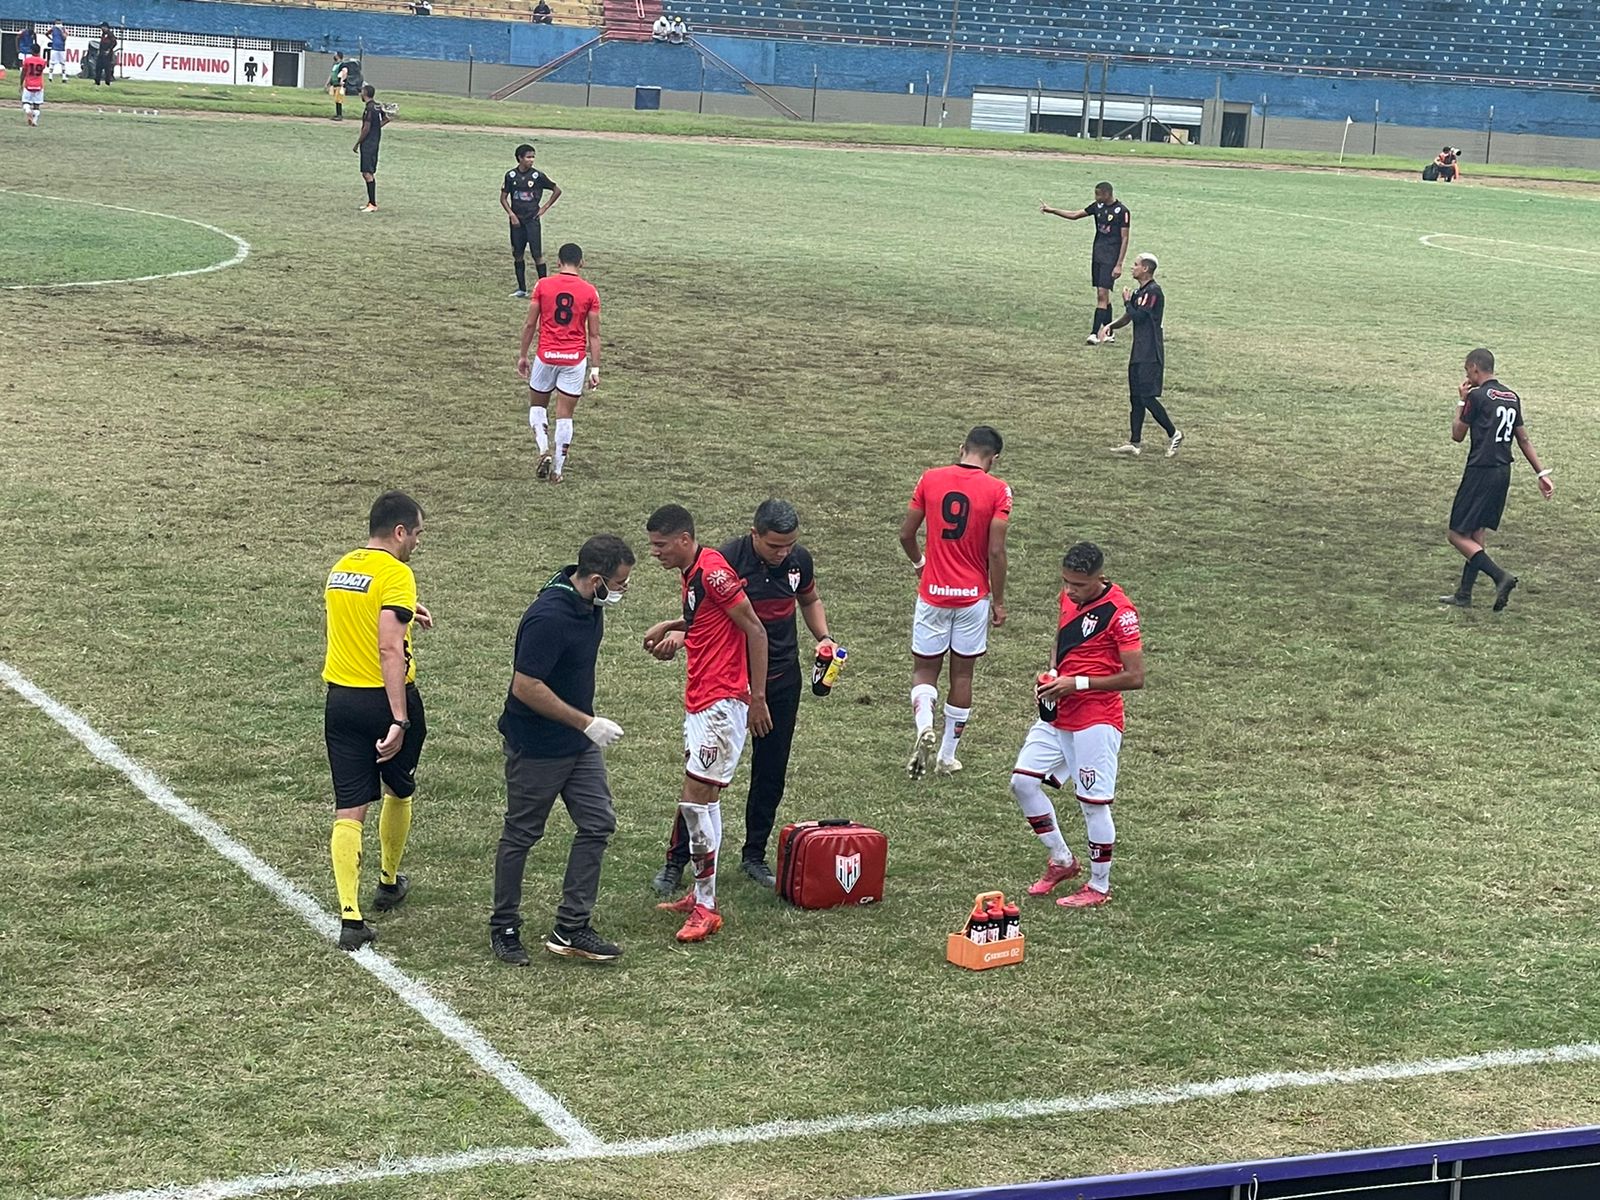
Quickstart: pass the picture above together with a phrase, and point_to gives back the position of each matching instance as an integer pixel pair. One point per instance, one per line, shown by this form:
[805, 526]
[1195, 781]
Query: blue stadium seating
[1552, 41]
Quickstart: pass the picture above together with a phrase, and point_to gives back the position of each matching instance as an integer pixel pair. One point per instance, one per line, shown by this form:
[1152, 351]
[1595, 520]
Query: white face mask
[604, 597]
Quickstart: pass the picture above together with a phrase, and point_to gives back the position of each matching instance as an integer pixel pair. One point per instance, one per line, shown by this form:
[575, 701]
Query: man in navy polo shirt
[553, 744]
[779, 579]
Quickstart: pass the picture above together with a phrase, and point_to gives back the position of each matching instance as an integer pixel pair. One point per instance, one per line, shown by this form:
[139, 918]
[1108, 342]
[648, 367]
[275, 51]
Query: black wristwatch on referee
[404, 725]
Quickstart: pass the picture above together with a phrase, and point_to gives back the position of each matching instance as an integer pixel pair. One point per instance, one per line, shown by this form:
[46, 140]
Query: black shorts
[1145, 379]
[354, 721]
[1100, 268]
[369, 157]
[1481, 499]
[526, 234]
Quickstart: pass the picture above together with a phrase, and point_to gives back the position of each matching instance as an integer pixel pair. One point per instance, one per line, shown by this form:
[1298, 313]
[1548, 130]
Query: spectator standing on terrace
[542, 14]
[105, 64]
[58, 51]
[662, 27]
[336, 80]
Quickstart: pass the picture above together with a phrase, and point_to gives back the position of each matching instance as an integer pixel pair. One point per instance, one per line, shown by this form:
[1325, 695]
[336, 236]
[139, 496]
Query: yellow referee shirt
[361, 585]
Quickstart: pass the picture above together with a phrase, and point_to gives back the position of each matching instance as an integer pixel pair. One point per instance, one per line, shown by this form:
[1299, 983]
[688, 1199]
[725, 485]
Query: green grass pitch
[1352, 828]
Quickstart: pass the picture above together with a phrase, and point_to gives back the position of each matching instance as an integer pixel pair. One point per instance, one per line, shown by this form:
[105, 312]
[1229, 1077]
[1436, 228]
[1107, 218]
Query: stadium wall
[890, 83]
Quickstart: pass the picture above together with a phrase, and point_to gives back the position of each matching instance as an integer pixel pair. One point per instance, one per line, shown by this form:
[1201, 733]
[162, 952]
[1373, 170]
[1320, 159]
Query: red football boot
[1084, 897]
[684, 904]
[1054, 873]
[702, 923]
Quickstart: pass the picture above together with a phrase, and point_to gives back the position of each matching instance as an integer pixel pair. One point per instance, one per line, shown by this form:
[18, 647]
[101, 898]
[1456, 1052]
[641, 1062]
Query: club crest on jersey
[708, 755]
[847, 870]
[1090, 624]
[794, 579]
[1086, 777]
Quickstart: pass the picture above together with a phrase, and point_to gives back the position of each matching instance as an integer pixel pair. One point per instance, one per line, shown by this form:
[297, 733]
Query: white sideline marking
[1427, 240]
[415, 995]
[899, 1118]
[241, 248]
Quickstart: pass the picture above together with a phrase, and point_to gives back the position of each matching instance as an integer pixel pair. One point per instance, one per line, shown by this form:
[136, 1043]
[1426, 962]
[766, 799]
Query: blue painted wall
[855, 68]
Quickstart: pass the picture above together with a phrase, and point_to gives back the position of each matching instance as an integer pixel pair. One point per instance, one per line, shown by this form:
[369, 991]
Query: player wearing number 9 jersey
[564, 314]
[963, 581]
[1492, 414]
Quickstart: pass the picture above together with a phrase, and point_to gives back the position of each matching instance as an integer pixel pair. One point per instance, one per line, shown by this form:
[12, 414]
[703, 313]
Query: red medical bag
[823, 864]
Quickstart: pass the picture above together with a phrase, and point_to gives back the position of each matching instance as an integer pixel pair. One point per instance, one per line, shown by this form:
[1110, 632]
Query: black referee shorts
[1100, 268]
[354, 721]
[1145, 380]
[1481, 499]
[526, 235]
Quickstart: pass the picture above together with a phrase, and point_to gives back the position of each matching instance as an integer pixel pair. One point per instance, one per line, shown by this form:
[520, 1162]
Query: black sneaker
[760, 872]
[353, 937]
[1456, 600]
[389, 897]
[581, 943]
[1503, 592]
[507, 946]
[668, 880]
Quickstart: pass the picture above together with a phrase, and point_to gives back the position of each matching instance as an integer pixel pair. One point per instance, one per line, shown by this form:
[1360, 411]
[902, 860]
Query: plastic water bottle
[1047, 708]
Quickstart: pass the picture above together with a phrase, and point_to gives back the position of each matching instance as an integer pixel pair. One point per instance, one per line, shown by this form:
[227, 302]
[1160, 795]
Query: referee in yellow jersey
[374, 722]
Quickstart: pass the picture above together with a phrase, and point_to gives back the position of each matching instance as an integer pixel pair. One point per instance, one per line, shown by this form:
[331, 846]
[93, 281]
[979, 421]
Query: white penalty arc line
[243, 1187]
[413, 993]
[1427, 240]
[241, 248]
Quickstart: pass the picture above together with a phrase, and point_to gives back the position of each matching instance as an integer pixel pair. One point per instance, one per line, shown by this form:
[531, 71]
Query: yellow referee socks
[346, 848]
[394, 826]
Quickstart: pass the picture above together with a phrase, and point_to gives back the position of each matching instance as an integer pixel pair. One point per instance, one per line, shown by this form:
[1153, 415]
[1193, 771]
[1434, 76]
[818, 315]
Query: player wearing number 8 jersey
[962, 590]
[564, 314]
[1098, 656]
[1492, 414]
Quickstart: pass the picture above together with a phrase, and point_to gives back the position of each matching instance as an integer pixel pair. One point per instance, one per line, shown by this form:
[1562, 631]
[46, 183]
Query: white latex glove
[602, 732]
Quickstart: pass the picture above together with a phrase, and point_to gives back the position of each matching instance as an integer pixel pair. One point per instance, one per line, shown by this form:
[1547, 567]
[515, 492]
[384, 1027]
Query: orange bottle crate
[975, 956]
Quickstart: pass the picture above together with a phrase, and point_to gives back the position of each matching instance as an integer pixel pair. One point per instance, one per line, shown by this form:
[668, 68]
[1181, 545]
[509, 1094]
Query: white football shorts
[963, 631]
[713, 740]
[1083, 759]
[547, 377]
[33, 98]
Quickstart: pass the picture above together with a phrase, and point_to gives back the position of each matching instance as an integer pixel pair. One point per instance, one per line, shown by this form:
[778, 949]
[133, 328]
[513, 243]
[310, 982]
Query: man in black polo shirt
[1147, 362]
[522, 196]
[1492, 413]
[553, 742]
[1112, 223]
[779, 578]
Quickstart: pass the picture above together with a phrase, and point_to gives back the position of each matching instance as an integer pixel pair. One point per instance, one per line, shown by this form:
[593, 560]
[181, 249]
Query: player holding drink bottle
[1098, 656]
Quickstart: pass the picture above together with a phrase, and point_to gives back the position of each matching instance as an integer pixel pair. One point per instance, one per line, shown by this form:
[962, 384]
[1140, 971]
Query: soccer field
[1354, 830]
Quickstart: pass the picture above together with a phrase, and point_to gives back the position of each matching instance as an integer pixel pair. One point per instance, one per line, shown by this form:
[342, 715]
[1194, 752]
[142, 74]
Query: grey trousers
[532, 785]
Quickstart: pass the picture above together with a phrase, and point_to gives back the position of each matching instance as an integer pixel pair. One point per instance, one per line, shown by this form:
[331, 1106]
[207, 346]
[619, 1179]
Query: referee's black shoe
[1503, 592]
[581, 943]
[389, 897]
[507, 946]
[353, 937]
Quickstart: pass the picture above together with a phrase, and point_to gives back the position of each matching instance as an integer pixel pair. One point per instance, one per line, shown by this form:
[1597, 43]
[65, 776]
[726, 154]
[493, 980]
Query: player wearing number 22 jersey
[1078, 737]
[963, 578]
[564, 314]
[1492, 413]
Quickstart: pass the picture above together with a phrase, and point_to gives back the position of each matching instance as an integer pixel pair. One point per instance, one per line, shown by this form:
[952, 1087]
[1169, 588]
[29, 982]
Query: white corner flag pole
[1348, 121]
